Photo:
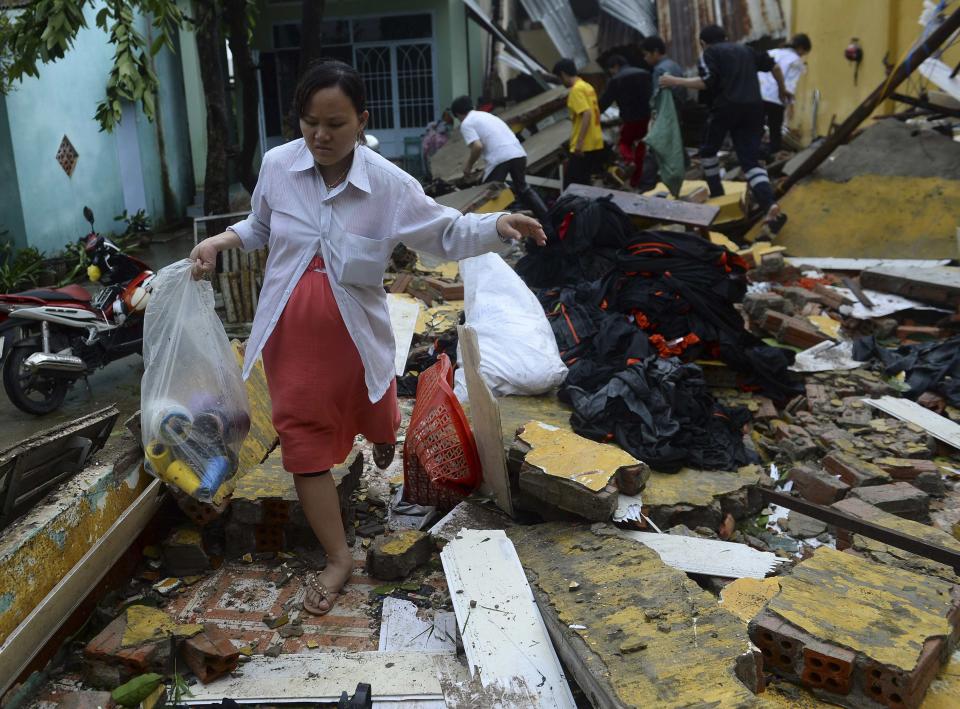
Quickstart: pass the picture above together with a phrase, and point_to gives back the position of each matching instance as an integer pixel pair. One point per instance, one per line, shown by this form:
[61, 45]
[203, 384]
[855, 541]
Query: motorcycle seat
[71, 292]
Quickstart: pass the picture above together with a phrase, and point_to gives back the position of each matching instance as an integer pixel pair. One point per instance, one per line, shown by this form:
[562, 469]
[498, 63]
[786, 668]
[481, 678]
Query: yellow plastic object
[181, 475]
[159, 456]
[94, 273]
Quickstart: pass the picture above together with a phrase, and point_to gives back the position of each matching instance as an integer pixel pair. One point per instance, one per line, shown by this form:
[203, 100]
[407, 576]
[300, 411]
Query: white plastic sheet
[518, 352]
[194, 410]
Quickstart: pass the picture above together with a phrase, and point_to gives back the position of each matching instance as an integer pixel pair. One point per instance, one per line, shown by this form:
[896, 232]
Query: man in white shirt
[790, 61]
[487, 135]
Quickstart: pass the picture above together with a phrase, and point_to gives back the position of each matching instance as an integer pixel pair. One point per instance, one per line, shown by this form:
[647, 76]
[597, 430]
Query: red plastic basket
[441, 466]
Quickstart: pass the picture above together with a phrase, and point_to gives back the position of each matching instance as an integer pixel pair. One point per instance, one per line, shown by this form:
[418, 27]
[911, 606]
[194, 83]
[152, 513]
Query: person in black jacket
[630, 88]
[728, 72]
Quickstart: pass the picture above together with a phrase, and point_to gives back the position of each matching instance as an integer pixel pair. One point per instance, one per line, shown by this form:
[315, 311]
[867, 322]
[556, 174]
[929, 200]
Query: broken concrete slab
[701, 498]
[802, 527]
[469, 514]
[635, 632]
[939, 285]
[394, 556]
[900, 498]
[265, 513]
[860, 649]
[563, 470]
[884, 553]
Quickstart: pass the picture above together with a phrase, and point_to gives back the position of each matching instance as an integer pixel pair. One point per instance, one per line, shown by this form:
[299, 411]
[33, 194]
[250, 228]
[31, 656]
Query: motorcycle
[52, 337]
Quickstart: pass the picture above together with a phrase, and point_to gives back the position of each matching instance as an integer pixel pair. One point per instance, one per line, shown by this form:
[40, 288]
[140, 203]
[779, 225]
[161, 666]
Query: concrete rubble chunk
[900, 498]
[394, 556]
[701, 498]
[860, 649]
[184, 553]
[87, 699]
[572, 474]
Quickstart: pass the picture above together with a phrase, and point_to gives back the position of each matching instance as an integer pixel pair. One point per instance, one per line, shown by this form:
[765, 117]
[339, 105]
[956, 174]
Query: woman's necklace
[340, 179]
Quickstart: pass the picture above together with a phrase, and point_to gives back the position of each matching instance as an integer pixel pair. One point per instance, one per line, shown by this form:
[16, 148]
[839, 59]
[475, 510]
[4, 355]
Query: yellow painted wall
[881, 25]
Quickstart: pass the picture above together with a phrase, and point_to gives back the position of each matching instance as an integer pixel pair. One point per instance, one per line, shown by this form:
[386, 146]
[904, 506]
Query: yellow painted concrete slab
[872, 216]
[641, 629]
[438, 319]
[40, 548]
[825, 324]
[563, 454]
[447, 269]
[515, 411]
[262, 437]
[746, 597]
[729, 203]
[884, 612]
[145, 624]
[696, 487]
[944, 691]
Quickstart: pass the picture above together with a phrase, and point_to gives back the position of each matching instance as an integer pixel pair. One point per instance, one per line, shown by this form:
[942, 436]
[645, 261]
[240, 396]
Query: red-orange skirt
[316, 380]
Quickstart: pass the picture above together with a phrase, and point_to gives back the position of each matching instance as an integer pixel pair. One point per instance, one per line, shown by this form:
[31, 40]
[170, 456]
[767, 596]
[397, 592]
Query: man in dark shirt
[630, 88]
[655, 54]
[729, 72]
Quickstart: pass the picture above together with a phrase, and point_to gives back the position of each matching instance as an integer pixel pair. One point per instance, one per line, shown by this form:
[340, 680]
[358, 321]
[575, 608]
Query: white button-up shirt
[499, 142]
[354, 227]
[792, 66]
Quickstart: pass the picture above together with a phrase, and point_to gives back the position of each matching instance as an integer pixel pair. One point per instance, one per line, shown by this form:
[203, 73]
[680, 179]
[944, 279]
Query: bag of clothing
[194, 413]
[666, 142]
[518, 353]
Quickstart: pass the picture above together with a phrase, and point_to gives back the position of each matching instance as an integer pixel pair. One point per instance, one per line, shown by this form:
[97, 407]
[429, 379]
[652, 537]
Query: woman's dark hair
[323, 74]
[713, 34]
[653, 44]
[566, 66]
[461, 105]
[801, 42]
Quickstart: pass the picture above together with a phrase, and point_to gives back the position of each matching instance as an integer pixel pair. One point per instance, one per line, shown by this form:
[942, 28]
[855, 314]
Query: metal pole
[914, 59]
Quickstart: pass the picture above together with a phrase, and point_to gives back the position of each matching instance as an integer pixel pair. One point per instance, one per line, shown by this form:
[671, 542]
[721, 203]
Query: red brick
[828, 667]
[853, 471]
[817, 486]
[907, 468]
[900, 498]
[210, 654]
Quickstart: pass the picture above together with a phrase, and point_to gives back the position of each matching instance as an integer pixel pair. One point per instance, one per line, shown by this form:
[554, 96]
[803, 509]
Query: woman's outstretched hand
[519, 227]
[204, 254]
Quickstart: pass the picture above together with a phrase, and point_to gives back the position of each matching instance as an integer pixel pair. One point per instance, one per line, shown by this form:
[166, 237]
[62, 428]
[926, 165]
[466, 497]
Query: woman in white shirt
[790, 61]
[332, 211]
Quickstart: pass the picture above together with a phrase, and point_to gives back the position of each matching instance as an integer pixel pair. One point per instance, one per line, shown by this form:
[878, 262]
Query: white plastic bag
[518, 352]
[194, 413]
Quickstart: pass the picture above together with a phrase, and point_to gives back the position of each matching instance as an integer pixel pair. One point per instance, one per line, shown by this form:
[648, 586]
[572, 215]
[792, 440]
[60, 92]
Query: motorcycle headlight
[93, 272]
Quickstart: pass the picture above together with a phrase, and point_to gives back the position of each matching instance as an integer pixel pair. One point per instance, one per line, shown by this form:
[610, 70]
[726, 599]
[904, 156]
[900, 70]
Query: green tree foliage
[44, 31]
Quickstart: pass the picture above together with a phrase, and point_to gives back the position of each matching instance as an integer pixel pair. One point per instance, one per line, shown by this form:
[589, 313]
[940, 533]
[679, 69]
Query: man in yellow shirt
[586, 139]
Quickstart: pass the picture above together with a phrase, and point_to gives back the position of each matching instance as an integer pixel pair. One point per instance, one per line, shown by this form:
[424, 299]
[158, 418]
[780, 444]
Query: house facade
[54, 159]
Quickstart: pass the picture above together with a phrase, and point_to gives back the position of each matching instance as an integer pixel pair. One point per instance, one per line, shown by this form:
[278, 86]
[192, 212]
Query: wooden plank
[401, 630]
[398, 679]
[28, 638]
[485, 419]
[403, 321]
[696, 555]
[545, 182]
[545, 147]
[940, 427]
[937, 285]
[655, 208]
[503, 633]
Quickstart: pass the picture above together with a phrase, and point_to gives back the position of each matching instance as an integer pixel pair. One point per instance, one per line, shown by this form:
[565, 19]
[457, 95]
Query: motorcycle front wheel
[30, 391]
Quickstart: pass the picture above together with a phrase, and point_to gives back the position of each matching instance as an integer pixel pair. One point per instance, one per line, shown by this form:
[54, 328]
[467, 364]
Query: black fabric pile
[628, 308]
[929, 366]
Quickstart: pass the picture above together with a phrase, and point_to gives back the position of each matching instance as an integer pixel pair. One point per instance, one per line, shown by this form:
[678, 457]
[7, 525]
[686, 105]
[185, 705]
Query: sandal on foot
[313, 584]
[383, 454]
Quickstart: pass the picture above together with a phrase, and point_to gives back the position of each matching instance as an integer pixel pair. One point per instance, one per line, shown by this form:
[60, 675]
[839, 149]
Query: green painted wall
[11, 211]
[62, 101]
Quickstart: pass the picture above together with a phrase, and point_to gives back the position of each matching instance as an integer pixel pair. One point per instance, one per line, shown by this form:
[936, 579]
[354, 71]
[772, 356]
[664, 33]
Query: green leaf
[102, 18]
[158, 44]
[136, 690]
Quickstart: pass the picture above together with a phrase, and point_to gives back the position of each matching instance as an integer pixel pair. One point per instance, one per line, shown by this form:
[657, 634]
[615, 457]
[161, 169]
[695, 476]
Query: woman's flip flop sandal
[324, 595]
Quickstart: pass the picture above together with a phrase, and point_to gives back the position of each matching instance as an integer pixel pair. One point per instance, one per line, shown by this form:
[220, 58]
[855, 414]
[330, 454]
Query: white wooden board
[503, 633]
[938, 426]
[712, 557]
[398, 679]
[403, 320]
[829, 263]
[401, 630]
